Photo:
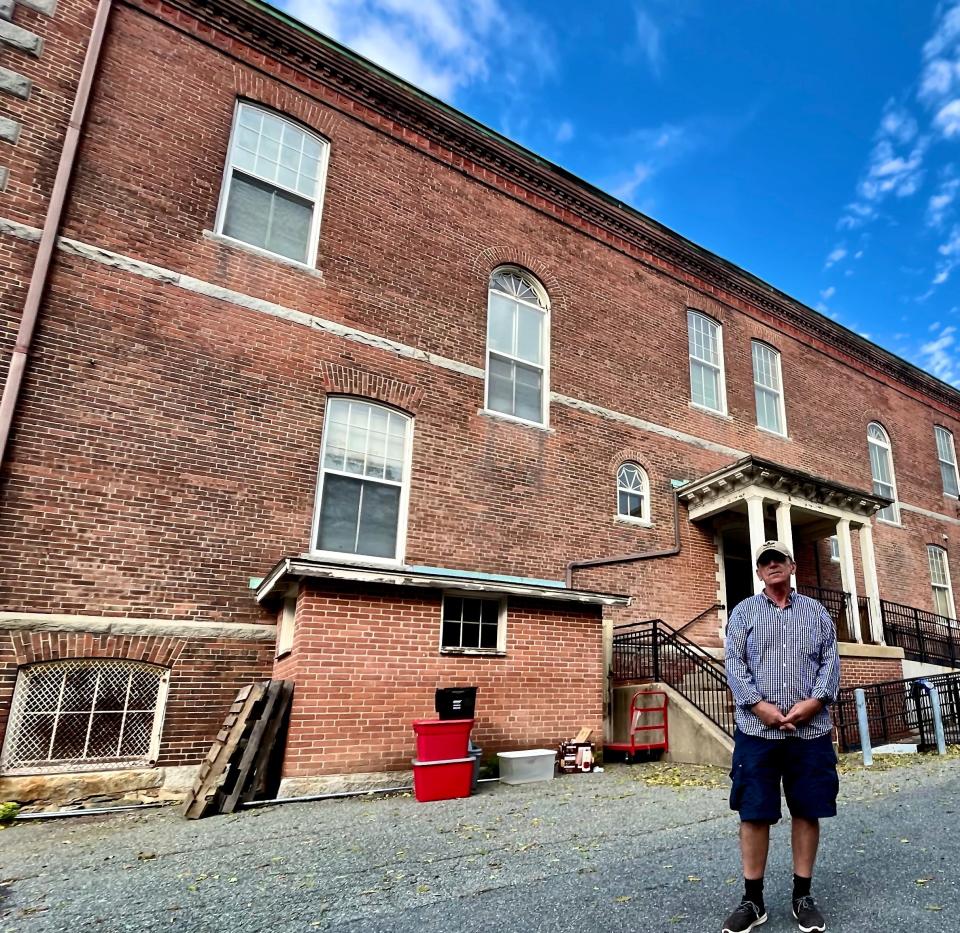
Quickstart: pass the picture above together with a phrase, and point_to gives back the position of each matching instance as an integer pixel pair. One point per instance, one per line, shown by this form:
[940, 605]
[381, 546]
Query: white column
[848, 576]
[785, 532]
[870, 584]
[757, 534]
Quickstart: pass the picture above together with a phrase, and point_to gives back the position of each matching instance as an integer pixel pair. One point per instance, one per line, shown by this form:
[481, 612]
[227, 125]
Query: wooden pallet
[242, 757]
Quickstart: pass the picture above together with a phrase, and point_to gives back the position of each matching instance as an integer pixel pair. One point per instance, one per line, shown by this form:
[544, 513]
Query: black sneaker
[807, 915]
[745, 917]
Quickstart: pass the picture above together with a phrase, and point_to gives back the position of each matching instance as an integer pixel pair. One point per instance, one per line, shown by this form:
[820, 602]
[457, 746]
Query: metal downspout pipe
[629, 558]
[51, 226]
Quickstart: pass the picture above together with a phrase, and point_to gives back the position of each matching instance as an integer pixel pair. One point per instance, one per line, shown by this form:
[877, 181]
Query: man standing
[783, 669]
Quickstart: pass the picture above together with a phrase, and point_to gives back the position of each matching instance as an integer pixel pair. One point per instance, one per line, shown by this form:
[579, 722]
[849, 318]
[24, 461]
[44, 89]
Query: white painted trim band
[108, 625]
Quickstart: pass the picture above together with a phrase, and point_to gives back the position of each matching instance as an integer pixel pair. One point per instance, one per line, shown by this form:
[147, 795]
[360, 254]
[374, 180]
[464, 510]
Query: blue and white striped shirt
[782, 656]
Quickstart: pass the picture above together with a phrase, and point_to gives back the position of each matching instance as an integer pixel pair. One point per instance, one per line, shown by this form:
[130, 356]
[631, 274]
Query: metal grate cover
[85, 714]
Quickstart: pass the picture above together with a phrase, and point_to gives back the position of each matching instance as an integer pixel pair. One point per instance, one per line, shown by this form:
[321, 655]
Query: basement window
[471, 625]
[85, 714]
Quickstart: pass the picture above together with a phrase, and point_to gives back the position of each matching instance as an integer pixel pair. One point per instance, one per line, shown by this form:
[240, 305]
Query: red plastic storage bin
[442, 739]
[442, 780]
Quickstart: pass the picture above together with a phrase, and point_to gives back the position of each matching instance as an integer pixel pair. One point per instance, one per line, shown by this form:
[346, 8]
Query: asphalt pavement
[637, 848]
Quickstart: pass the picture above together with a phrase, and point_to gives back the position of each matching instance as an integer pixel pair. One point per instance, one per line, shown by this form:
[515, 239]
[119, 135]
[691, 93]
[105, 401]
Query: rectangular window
[940, 581]
[473, 624]
[834, 548]
[273, 185]
[363, 480]
[286, 625]
[706, 363]
[768, 388]
[947, 455]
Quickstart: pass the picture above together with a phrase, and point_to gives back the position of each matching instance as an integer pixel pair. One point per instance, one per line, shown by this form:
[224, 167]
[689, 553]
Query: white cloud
[564, 132]
[838, 253]
[950, 251]
[440, 46]
[899, 125]
[947, 119]
[828, 293]
[627, 189]
[939, 356]
[649, 38]
[941, 201]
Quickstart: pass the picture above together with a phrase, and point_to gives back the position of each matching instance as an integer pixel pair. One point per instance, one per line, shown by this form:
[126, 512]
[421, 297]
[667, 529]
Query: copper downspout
[51, 226]
[640, 555]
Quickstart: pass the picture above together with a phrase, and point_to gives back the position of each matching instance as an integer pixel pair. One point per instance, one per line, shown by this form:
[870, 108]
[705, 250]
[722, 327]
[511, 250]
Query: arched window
[881, 468]
[707, 388]
[633, 493]
[940, 582]
[85, 714]
[768, 388]
[273, 184]
[364, 480]
[947, 456]
[517, 346]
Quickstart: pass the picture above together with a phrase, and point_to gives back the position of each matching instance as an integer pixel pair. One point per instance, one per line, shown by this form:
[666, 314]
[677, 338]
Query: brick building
[330, 382]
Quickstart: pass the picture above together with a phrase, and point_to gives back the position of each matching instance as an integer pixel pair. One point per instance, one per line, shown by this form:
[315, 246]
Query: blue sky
[816, 145]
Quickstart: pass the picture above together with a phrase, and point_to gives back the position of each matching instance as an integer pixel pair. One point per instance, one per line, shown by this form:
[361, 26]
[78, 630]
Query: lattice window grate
[84, 715]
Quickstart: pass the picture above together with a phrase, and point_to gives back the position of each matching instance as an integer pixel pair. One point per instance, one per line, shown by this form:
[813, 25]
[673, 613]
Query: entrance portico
[755, 500]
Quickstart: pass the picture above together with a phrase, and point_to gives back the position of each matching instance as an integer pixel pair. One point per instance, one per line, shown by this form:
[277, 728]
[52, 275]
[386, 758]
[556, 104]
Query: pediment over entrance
[751, 476]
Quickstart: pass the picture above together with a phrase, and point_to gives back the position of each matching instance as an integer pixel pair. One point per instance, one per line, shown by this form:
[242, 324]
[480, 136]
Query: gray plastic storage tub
[536, 764]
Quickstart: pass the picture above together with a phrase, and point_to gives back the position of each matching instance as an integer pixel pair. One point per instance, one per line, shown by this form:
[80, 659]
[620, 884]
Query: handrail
[654, 650]
[699, 616]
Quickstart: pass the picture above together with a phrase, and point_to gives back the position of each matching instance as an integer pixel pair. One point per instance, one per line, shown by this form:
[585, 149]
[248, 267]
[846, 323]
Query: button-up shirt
[782, 656]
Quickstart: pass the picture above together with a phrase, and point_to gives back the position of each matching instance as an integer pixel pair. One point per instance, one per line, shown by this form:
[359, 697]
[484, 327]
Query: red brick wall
[366, 663]
[165, 445]
[205, 675]
[855, 672]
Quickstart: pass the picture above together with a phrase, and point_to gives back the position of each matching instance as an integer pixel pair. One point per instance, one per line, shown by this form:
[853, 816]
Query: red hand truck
[637, 711]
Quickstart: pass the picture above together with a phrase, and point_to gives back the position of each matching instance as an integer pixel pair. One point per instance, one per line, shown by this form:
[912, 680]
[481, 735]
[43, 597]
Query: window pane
[471, 610]
[948, 472]
[880, 463]
[450, 636]
[452, 608]
[471, 635]
[379, 514]
[528, 396]
[529, 326]
[501, 385]
[941, 602]
[289, 233]
[339, 514]
[490, 612]
[262, 215]
[104, 735]
[488, 636]
[500, 323]
[71, 735]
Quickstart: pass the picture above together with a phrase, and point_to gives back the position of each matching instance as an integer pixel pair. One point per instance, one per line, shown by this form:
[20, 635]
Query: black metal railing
[699, 616]
[837, 603]
[654, 651]
[924, 636]
[900, 711]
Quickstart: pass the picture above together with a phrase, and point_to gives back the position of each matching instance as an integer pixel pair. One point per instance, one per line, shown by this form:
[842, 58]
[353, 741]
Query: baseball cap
[777, 546]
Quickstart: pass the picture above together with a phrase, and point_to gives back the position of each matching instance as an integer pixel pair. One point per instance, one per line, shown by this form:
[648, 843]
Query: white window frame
[501, 623]
[884, 445]
[343, 557]
[314, 238]
[710, 364]
[943, 559]
[945, 443]
[644, 517]
[834, 548]
[12, 763]
[544, 308]
[762, 388]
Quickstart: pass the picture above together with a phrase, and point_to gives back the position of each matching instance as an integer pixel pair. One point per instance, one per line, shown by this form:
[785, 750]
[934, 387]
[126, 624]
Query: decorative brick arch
[344, 380]
[286, 101]
[494, 256]
[631, 454]
[31, 647]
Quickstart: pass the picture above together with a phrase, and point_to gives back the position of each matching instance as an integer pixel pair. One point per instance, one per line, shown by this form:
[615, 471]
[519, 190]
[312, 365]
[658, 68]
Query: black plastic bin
[456, 702]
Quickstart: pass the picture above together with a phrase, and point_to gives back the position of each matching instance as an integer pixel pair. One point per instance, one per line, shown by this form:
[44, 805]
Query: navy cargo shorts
[806, 767]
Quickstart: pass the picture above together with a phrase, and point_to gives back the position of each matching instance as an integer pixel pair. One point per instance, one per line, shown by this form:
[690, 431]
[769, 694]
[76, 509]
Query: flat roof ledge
[296, 569]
